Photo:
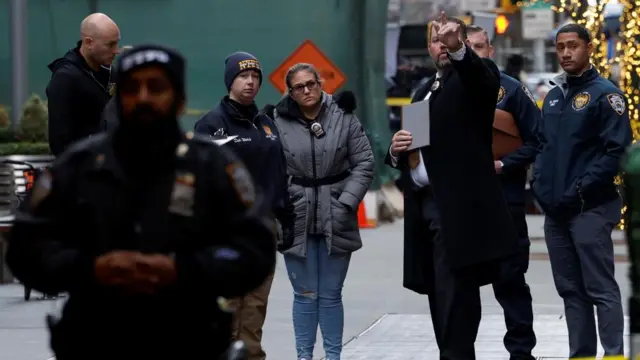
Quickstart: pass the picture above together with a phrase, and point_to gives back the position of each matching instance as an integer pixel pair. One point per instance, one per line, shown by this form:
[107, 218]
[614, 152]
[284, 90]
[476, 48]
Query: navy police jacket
[583, 133]
[257, 144]
[517, 100]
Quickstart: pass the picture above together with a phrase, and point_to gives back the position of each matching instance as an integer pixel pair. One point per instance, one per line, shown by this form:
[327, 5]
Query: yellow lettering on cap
[248, 64]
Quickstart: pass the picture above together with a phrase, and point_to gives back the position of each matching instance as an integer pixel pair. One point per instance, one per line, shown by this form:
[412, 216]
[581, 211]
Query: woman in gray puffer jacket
[331, 165]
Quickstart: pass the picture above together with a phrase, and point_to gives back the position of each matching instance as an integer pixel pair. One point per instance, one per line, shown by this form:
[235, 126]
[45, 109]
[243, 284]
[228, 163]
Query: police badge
[111, 89]
[581, 101]
[501, 93]
[317, 130]
[617, 103]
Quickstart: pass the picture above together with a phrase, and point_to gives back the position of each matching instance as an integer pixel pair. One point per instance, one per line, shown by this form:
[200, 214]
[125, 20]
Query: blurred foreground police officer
[512, 292]
[257, 144]
[145, 228]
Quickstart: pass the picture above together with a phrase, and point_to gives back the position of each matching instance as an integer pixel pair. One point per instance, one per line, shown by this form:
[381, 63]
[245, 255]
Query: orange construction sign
[308, 52]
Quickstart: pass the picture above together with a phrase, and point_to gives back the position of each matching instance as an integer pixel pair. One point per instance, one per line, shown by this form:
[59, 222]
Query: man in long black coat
[458, 229]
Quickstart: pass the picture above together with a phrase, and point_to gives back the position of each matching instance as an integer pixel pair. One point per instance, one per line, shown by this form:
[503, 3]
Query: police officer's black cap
[150, 54]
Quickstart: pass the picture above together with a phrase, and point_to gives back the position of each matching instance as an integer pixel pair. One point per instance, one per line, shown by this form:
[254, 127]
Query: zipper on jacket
[315, 188]
[253, 124]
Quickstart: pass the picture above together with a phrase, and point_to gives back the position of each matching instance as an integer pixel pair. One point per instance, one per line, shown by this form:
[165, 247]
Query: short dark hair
[463, 27]
[580, 30]
[472, 29]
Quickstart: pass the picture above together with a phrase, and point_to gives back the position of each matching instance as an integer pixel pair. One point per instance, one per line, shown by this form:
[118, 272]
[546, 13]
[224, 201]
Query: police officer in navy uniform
[145, 227]
[513, 293]
[257, 142]
[584, 131]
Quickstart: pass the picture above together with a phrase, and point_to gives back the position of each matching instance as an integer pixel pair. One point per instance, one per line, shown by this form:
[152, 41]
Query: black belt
[328, 180]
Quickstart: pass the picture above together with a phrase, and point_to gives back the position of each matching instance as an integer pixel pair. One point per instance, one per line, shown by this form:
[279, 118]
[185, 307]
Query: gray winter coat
[329, 209]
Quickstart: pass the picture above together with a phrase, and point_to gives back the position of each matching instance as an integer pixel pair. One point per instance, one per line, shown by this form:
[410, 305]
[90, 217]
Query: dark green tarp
[350, 32]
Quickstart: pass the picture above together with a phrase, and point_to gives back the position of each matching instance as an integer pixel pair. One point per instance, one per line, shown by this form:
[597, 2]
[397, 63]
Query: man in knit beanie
[257, 142]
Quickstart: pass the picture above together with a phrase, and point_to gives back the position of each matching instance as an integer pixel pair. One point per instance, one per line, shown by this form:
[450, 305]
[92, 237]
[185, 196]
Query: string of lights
[627, 52]
[629, 58]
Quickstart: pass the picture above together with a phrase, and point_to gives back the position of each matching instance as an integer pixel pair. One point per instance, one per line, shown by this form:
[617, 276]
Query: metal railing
[17, 174]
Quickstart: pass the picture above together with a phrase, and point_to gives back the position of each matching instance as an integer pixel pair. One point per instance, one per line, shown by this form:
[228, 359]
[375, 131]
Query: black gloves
[286, 217]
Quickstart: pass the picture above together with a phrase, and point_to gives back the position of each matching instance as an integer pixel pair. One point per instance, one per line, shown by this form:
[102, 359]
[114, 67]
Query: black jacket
[584, 131]
[258, 146]
[110, 118]
[76, 97]
[86, 208]
[476, 225]
[517, 100]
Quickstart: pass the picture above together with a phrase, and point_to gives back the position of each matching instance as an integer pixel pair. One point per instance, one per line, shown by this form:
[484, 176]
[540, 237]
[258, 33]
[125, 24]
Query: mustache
[144, 111]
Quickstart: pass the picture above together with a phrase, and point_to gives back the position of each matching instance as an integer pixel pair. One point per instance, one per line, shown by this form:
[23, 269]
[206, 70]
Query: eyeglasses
[299, 88]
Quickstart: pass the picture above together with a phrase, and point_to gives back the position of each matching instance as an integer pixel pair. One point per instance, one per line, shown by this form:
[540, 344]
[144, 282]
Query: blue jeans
[317, 297]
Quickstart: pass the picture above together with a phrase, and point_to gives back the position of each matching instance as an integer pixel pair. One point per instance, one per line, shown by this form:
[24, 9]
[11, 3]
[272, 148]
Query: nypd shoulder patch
[242, 183]
[529, 94]
[617, 103]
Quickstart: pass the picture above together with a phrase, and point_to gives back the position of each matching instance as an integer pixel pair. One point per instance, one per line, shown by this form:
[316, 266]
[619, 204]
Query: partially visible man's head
[438, 50]
[150, 85]
[478, 40]
[100, 37]
[574, 48]
[242, 76]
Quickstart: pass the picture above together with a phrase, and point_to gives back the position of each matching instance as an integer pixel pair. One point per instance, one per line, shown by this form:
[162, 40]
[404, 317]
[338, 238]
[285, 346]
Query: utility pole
[539, 55]
[19, 61]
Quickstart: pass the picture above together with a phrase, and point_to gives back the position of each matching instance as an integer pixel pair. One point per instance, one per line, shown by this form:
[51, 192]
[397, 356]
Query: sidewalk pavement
[410, 337]
[397, 320]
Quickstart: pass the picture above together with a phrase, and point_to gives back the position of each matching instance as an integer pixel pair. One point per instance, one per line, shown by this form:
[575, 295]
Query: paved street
[383, 321]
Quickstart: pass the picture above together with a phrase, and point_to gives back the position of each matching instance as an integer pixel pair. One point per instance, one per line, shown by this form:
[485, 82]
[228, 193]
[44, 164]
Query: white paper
[415, 120]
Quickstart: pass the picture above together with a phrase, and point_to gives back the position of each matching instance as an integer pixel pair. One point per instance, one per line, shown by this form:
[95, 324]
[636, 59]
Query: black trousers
[455, 305]
[514, 295]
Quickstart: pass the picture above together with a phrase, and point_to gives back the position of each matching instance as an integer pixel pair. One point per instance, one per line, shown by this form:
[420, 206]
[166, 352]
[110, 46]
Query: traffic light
[502, 24]
[509, 6]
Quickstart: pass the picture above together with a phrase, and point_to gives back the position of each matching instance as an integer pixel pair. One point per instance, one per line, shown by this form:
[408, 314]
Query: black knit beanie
[144, 55]
[237, 63]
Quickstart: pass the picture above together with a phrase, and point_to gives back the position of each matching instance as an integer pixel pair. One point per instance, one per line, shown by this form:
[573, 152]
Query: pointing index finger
[443, 18]
[435, 25]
